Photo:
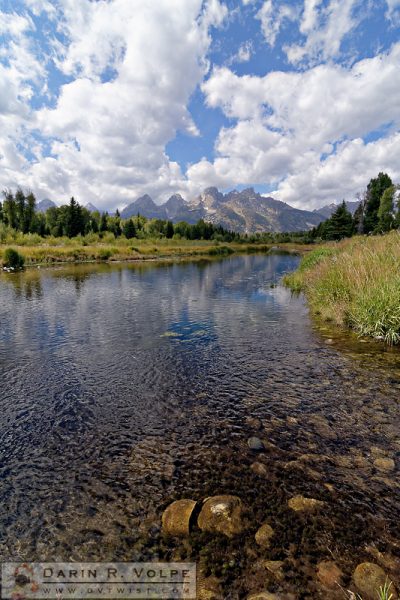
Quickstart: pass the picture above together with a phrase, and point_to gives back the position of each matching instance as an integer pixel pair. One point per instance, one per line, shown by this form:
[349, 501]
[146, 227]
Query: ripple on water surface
[127, 387]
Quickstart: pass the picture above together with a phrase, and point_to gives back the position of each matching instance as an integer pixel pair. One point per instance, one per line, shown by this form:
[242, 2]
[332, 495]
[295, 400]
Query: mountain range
[246, 211]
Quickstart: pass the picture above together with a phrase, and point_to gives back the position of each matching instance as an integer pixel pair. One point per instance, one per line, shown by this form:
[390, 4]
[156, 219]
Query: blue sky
[107, 100]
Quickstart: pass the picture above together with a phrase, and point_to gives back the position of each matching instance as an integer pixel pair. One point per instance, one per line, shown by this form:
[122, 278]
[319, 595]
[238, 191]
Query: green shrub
[104, 254]
[12, 259]
[220, 251]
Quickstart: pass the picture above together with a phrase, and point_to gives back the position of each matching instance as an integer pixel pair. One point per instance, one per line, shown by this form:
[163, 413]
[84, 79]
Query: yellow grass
[355, 283]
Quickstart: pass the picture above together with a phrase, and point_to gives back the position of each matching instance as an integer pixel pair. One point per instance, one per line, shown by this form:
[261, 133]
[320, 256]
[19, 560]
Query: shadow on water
[126, 387]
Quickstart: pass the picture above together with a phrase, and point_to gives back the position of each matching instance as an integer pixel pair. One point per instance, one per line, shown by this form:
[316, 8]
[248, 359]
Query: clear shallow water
[126, 387]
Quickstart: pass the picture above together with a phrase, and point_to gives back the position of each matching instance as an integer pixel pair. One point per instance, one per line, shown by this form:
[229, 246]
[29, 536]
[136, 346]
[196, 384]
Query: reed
[356, 284]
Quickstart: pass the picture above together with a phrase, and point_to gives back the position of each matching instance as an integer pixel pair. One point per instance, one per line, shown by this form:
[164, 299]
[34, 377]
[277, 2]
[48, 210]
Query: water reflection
[124, 387]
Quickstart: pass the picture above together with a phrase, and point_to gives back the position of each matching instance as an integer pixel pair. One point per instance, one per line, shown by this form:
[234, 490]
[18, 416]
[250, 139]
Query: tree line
[378, 212]
[18, 211]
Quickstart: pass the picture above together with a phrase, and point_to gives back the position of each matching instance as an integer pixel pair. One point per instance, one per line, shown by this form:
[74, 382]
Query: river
[125, 387]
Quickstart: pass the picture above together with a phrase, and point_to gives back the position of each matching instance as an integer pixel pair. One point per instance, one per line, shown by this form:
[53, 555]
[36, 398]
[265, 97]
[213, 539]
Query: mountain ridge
[244, 211]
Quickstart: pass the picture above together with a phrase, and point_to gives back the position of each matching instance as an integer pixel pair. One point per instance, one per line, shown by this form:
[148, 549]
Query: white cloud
[304, 128]
[130, 68]
[244, 54]
[39, 6]
[343, 174]
[310, 15]
[320, 105]
[325, 29]
[393, 11]
[272, 17]
[134, 66]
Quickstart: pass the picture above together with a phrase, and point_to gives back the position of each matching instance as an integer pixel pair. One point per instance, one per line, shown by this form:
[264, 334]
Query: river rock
[322, 426]
[255, 444]
[222, 514]
[264, 535]
[302, 504]
[329, 574]
[368, 578]
[384, 464]
[259, 469]
[253, 422]
[275, 568]
[209, 588]
[176, 518]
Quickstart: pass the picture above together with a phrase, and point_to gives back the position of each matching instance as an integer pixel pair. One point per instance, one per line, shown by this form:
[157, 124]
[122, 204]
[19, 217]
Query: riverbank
[78, 250]
[355, 284]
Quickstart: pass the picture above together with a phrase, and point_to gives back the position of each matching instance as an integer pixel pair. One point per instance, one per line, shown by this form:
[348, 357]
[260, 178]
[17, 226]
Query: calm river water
[126, 387]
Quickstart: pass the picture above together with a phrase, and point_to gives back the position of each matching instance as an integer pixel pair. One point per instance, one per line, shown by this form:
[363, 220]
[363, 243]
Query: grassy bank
[356, 284]
[51, 250]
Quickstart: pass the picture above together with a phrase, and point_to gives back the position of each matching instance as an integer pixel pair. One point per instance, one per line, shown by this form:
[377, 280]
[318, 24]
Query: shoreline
[354, 285]
[50, 256]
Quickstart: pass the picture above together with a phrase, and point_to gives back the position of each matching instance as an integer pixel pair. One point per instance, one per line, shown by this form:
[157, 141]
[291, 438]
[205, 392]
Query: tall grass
[96, 247]
[355, 283]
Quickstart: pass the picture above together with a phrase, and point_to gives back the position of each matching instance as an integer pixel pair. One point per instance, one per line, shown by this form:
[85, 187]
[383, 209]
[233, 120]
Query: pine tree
[358, 218]
[386, 211]
[10, 210]
[338, 226]
[375, 189]
[169, 230]
[103, 222]
[29, 219]
[129, 229]
[20, 203]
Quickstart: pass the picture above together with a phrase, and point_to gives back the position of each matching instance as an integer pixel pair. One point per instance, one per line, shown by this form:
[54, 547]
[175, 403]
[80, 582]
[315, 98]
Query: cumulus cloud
[126, 70]
[294, 127]
[132, 67]
[343, 174]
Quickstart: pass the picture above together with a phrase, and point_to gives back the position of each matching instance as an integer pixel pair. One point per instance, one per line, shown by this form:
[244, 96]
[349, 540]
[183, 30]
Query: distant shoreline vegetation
[72, 233]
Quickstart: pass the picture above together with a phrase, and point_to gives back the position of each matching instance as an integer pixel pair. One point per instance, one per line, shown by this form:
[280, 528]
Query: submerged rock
[384, 464]
[254, 443]
[209, 588]
[222, 514]
[259, 469]
[329, 574]
[254, 422]
[369, 578]
[302, 504]
[176, 518]
[275, 568]
[264, 535]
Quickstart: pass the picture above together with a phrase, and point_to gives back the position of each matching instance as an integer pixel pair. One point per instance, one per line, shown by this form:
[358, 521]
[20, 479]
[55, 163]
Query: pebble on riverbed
[222, 514]
[384, 464]
[259, 469]
[255, 444]
[264, 535]
[302, 504]
[369, 578]
[329, 574]
[176, 518]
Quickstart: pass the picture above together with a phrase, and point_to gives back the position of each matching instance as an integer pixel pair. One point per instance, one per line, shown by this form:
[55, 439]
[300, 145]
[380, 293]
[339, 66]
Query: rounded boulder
[222, 514]
[176, 518]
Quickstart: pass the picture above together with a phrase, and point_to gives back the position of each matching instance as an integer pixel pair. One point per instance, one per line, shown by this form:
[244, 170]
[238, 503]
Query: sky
[107, 100]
